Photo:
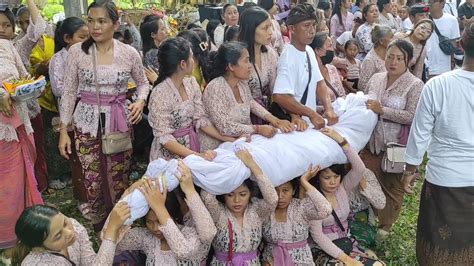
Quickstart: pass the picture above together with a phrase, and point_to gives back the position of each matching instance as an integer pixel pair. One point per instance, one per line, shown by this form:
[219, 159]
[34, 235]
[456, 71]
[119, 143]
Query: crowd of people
[279, 67]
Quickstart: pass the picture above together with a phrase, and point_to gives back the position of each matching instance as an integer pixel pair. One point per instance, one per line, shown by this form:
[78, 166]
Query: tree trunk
[75, 8]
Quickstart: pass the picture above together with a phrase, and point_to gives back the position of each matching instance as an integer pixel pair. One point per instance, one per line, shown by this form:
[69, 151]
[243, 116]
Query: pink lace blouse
[228, 116]
[337, 28]
[336, 83]
[399, 103]
[372, 64]
[296, 227]
[81, 252]
[189, 243]
[248, 237]
[349, 183]
[57, 71]
[12, 68]
[267, 73]
[168, 113]
[112, 79]
[372, 195]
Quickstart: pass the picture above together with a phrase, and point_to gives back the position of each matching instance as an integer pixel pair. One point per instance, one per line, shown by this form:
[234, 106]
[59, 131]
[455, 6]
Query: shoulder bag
[279, 112]
[393, 160]
[445, 44]
[113, 142]
[344, 243]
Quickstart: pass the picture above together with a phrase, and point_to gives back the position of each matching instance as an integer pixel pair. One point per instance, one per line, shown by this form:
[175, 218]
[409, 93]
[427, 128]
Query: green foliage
[399, 248]
[52, 9]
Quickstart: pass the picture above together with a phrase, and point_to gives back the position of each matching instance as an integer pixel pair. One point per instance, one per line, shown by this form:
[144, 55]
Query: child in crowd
[405, 24]
[232, 34]
[351, 49]
[346, 36]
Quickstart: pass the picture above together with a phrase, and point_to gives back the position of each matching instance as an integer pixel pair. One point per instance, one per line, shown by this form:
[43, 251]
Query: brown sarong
[445, 231]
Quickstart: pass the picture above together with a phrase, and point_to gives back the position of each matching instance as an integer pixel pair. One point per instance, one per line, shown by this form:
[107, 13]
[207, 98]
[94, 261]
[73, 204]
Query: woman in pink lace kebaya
[336, 191]
[229, 102]
[106, 176]
[176, 109]
[239, 217]
[394, 96]
[169, 238]
[286, 230]
[48, 237]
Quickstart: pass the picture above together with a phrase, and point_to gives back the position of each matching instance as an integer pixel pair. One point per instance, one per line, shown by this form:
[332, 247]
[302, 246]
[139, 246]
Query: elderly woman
[370, 14]
[418, 37]
[386, 17]
[230, 15]
[374, 61]
[394, 96]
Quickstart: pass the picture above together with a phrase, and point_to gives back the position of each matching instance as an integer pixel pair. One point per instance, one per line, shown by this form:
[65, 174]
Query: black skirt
[445, 232]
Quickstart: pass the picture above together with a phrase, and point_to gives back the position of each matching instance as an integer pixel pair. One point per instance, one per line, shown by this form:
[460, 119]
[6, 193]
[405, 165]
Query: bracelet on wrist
[342, 143]
[108, 238]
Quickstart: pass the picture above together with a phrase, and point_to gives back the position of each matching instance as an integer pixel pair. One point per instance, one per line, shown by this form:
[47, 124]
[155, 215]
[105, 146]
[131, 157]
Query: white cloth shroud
[281, 158]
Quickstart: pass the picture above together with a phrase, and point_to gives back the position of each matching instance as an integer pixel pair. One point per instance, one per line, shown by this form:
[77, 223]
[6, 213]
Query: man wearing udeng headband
[299, 81]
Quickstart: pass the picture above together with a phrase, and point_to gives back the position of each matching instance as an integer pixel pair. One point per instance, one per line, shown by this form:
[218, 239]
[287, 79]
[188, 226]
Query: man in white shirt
[293, 73]
[444, 126]
[450, 7]
[437, 61]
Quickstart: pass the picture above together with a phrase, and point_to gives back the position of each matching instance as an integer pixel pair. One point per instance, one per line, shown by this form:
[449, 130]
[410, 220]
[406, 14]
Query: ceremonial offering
[25, 89]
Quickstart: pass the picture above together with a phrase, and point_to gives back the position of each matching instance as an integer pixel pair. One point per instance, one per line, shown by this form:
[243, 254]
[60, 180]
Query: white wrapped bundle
[282, 158]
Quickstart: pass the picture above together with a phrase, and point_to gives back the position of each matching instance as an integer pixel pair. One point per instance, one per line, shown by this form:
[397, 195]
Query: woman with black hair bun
[104, 66]
[336, 184]
[286, 231]
[176, 109]
[68, 32]
[152, 31]
[239, 216]
[228, 101]
[393, 95]
[199, 45]
[256, 32]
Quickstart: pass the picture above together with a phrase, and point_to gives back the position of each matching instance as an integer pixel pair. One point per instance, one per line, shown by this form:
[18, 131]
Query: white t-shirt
[406, 25]
[292, 75]
[344, 37]
[437, 61]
